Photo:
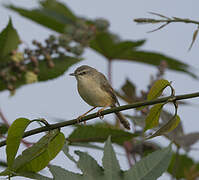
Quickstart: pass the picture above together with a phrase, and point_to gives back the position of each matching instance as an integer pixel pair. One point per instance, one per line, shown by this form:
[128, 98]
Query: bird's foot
[79, 119]
[99, 114]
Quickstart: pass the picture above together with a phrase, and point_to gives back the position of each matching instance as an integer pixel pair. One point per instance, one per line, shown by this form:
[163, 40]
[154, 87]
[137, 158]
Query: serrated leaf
[9, 41]
[59, 8]
[65, 149]
[169, 126]
[52, 14]
[129, 89]
[187, 140]
[87, 145]
[89, 166]
[152, 119]
[137, 120]
[61, 64]
[15, 133]
[157, 89]
[151, 167]
[106, 45]
[61, 174]
[99, 133]
[33, 176]
[183, 163]
[110, 162]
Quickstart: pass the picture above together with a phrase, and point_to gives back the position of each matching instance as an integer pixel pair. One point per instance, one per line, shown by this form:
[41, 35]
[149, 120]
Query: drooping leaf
[99, 133]
[151, 167]
[61, 64]
[32, 175]
[187, 140]
[65, 149]
[87, 145]
[40, 154]
[178, 131]
[179, 166]
[51, 14]
[157, 89]
[9, 41]
[106, 45]
[89, 166]
[195, 34]
[61, 174]
[137, 120]
[59, 8]
[110, 162]
[15, 133]
[169, 126]
[128, 93]
[152, 119]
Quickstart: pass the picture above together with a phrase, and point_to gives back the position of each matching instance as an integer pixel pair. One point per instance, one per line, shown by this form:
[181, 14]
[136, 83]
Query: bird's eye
[82, 73]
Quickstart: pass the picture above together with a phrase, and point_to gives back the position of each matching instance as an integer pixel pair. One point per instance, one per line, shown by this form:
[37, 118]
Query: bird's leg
[80, 117]
[99, 112]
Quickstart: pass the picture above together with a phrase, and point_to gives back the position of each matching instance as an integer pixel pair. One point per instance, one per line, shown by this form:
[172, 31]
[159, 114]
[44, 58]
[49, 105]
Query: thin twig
[4, 118]
[105, 112]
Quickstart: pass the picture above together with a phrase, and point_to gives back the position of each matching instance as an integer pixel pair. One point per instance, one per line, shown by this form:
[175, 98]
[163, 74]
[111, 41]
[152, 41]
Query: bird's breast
[91, 93]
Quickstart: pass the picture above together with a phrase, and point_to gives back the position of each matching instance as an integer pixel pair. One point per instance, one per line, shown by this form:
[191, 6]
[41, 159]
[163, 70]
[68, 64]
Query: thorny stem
[108, 111]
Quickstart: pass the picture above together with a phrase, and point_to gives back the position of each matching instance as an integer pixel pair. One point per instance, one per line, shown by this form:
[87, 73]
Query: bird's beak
[72, 74]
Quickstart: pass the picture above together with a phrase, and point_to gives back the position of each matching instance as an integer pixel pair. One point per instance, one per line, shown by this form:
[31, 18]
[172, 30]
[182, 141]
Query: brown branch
[108, 111]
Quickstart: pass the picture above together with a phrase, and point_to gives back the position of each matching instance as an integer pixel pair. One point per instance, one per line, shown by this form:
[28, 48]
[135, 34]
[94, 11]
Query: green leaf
[89, 166]
[169, 126]
[106, 45]
[195, 34]
[52, 14]
[40, 154]
[33, 176]
[61, 64]
[152, 119]
[110, 162]
[99, 133]
[87, 145]
[157, 89]
[9, 41]
[179, 166]
[137, 120]
[58, 8]
[61, 174]
[65, 149]
[150, 167]
[3, 129]
[128, 92]
[15, 133]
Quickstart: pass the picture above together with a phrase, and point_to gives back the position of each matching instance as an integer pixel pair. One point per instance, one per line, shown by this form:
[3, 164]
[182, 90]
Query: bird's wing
[107, 87]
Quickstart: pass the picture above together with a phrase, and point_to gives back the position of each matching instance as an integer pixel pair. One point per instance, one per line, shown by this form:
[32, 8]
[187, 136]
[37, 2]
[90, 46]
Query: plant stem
[108, 111]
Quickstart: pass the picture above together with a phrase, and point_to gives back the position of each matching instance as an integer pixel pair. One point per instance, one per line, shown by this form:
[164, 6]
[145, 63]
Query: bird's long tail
[123, 120]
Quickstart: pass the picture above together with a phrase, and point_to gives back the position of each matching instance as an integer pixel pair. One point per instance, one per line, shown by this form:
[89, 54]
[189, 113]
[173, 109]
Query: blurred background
[58, 99]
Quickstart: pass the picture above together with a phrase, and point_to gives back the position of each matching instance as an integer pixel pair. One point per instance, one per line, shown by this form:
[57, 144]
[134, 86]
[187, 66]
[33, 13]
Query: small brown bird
[95, 90]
